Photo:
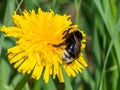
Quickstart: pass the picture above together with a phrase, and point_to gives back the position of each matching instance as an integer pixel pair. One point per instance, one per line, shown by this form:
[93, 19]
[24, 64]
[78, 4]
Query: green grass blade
[5, 69]
[99, 6]
[50, 85]
[22, 82]
[114, 8]
[76, 82]
[77, 8]
[4, 74]
[66, 80]
[113, 74]
[108, 52]
[96, 56]
[88, 79]
[109, 17]
[106, 16]
[1, 42]
[15, 81]
[41, 85]
[31, 4]
[109, 21]
[38, 84]
[53, 5]
[10, 7]
[18, 6]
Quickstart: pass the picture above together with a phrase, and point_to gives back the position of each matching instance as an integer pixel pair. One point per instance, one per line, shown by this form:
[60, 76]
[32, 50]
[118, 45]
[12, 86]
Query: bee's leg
[58, 45]
[67, 31]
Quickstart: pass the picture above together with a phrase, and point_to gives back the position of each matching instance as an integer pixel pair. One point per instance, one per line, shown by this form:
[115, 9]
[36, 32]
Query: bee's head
[78, 34]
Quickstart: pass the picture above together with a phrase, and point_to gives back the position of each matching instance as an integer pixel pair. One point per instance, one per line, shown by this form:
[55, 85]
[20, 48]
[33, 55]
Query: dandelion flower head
[34, 53]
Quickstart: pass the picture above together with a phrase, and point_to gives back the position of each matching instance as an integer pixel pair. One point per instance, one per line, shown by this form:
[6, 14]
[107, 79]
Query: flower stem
[21, 84]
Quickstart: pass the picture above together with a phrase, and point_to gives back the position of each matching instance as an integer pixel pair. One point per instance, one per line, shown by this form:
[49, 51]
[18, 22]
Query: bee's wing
[76, 49]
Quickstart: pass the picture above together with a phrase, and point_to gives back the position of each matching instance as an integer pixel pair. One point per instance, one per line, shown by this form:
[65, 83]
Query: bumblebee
[72, 40]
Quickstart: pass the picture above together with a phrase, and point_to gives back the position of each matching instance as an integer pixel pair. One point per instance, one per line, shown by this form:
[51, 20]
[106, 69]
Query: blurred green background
[100, 19]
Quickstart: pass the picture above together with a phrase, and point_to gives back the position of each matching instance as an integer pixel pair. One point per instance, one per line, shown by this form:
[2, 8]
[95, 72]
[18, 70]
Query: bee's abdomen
[70, 50]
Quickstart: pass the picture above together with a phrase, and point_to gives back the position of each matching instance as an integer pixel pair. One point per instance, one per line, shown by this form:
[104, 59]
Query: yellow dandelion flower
[36, 50]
